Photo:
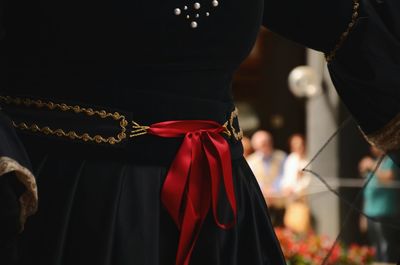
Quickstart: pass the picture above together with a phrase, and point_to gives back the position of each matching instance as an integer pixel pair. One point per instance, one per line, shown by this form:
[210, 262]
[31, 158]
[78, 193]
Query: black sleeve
[18, 195]
[366, 67]
[316, 24]
[366, 72]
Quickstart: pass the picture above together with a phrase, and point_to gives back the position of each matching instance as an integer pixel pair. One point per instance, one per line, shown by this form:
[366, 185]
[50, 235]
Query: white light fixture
[304, 82]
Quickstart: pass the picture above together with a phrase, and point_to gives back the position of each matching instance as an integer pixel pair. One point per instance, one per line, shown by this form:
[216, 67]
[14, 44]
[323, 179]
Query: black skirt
[105, 209]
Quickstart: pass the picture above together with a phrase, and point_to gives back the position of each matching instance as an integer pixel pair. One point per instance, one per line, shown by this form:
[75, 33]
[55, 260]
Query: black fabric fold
[9, 219]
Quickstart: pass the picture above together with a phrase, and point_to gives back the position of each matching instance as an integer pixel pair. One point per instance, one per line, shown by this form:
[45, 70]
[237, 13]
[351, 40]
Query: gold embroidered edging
[387, 138]
[356, 8]
[238, 135]
[29, 198]
[123, 123]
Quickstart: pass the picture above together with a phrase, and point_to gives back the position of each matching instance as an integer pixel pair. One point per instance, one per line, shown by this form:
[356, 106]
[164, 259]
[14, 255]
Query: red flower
[311, 249]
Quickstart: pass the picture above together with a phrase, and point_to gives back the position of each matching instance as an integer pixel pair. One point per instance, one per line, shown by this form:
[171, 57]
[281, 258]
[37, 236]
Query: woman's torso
[124, 54]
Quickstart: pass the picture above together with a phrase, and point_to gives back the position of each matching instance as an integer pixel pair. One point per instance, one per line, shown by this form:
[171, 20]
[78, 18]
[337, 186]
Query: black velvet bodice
[125, 53]
[110, 52]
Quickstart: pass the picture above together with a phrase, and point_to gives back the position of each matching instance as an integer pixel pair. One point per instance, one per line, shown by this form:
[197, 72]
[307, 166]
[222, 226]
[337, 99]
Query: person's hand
[299, 175]
[363, 222]
[270, 196]
[366, 164]
[288, 192]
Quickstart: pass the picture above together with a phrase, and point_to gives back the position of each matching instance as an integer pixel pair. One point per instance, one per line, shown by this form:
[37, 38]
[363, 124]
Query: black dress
[155, 61]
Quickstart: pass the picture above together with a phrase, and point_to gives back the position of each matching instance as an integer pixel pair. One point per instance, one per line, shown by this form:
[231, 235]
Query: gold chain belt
[127, 129]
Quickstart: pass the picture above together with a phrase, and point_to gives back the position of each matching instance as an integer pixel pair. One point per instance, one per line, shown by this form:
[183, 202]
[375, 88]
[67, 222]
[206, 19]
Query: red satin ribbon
[193, 181]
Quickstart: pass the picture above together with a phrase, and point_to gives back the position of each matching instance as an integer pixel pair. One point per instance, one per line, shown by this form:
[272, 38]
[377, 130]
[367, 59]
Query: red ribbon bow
[193, 181]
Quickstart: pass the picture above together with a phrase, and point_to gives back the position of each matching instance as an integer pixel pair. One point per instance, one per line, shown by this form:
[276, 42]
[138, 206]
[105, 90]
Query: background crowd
[285, 184]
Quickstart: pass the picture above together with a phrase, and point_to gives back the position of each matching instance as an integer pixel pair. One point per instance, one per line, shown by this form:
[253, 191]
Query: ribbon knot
[193, 181]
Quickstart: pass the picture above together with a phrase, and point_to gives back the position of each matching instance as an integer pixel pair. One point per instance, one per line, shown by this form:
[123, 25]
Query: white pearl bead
[196, 5]
[207, 14]
[185, 7]
[187, 16]
[177, 11]
[215, 3]
[193, 24]
[197, 15]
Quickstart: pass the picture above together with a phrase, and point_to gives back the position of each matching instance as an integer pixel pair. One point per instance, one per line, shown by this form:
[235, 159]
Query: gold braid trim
[136, 129]
[356, 8]
[29, 199]
[238, 135]
[123, 123]
[387, 138]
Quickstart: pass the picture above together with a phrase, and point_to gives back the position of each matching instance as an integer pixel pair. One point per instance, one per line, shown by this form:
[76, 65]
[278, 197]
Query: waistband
[87, 131]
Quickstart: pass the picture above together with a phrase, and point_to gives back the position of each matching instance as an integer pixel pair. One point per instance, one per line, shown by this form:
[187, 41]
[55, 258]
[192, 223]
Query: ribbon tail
[219, 158]
[175, 183]
[189, 234]
[197, 203]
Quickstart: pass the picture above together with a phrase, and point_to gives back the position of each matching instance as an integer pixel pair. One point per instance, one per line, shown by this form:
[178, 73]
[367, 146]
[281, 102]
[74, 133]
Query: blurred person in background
[267, 166]
[294, 181]
[380, 198]
[294, 184]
